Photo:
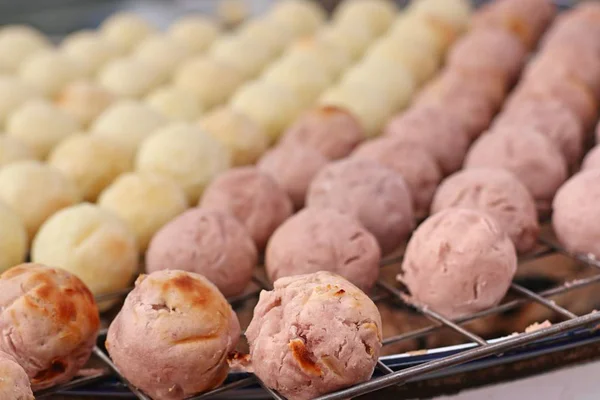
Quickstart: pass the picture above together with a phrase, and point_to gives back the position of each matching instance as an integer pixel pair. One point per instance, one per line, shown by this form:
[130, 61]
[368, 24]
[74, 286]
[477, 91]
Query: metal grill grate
[480, 349]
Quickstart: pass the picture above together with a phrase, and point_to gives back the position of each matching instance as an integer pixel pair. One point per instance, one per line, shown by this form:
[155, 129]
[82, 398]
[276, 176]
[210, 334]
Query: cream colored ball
[13, 238]
[126, 29]
[50, 70]
[18, 42]
[35, 191]
[91, 50]
[12, 150]
[377, 15]
[13, 93]
[305, 81]
[91, 243]
[303, 17]
[162, 52]
[411, 28]
[354, 40]
[146, 202]
[41, 126]
[242, 53]
[196, 32]
[421, 61]
[84, 101]
[273, 107]
[317, 52]
[128, 123]
[212, 82]
[91, 162]
[242, 136]
[131, 77]
[186, 154]
[268, 33]
[175, 103]
[456, 14]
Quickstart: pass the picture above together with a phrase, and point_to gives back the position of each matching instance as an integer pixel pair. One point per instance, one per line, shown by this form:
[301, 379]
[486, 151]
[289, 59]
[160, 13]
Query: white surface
[575, 383]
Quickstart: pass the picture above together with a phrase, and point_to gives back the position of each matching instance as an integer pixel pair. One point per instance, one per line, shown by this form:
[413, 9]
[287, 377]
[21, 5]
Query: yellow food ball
[185, 153]
[268, 33]
[18, 42]
[353, 40]
[196, 32]
[212, 82]
[162, 52]
[145, 202]
[12, 150]
[13, 93]
[91, 50]
[241, 53]
[91, 162]
[175, 103]
[91, 243]
[130, 77]
[50, 70]
[84, 100]
[13, 238]
[271, 106]
[303, 17]
[128, 123]
[377, 15]
[242, 136]
[41, 126]
[126, 29]
[35, 191]
[453, 13]
[410, 28]
[315, 51]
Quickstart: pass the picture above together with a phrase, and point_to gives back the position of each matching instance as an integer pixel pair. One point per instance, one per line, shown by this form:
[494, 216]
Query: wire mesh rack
[579, 328]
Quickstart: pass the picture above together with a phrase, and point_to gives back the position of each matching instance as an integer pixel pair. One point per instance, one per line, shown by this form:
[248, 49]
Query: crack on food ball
[159, 307]
[304, 357]
[329, 362]
[368, 349]
[57, 368]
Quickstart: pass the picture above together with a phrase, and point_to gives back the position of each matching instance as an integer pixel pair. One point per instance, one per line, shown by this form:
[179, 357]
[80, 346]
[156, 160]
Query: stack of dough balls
[12, 150]
[90, 50]
[84, 100]
[35, 192]
[13, 238]
[91, 243]
[13, 93]
[17, 43]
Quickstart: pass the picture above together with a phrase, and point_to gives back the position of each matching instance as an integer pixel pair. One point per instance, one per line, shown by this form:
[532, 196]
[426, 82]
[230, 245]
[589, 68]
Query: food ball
[297, 328]
[196, 32]
[128, 123]
[13, 94]
[493, 51]
[551, 118]
[17, 43]
[271, 106]
[414, 163]
[91, 162]
[377, 15]
[454, 14]
[353, 39]
[241, 53]
[186, 154]
[315, 50]
[375, 195]
[497, 193]
[131, 77]
[293, 167]
[41, 126]
[162, 52]
[92, 244]
[528, 154]
[253, 197]
[15, 382]
[207, 242]
[90, 50]
[12, 150]
[84, 100]
[213, 82]
[268, 33]
[453, 250]
[330, 130]
[13, 240]
[301, 16]
[592, 159]
[192, 329]
[54, 317]
[242, 136]
[434, 130]
[49, 71]
[175, 103]
[409, 28]
[126, 30]
[146, 202]
[575, 210]
[35, 191]
[323, 240]
[306, 84]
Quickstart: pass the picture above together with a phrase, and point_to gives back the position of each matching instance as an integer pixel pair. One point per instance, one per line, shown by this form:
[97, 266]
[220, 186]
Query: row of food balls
[145, 199]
